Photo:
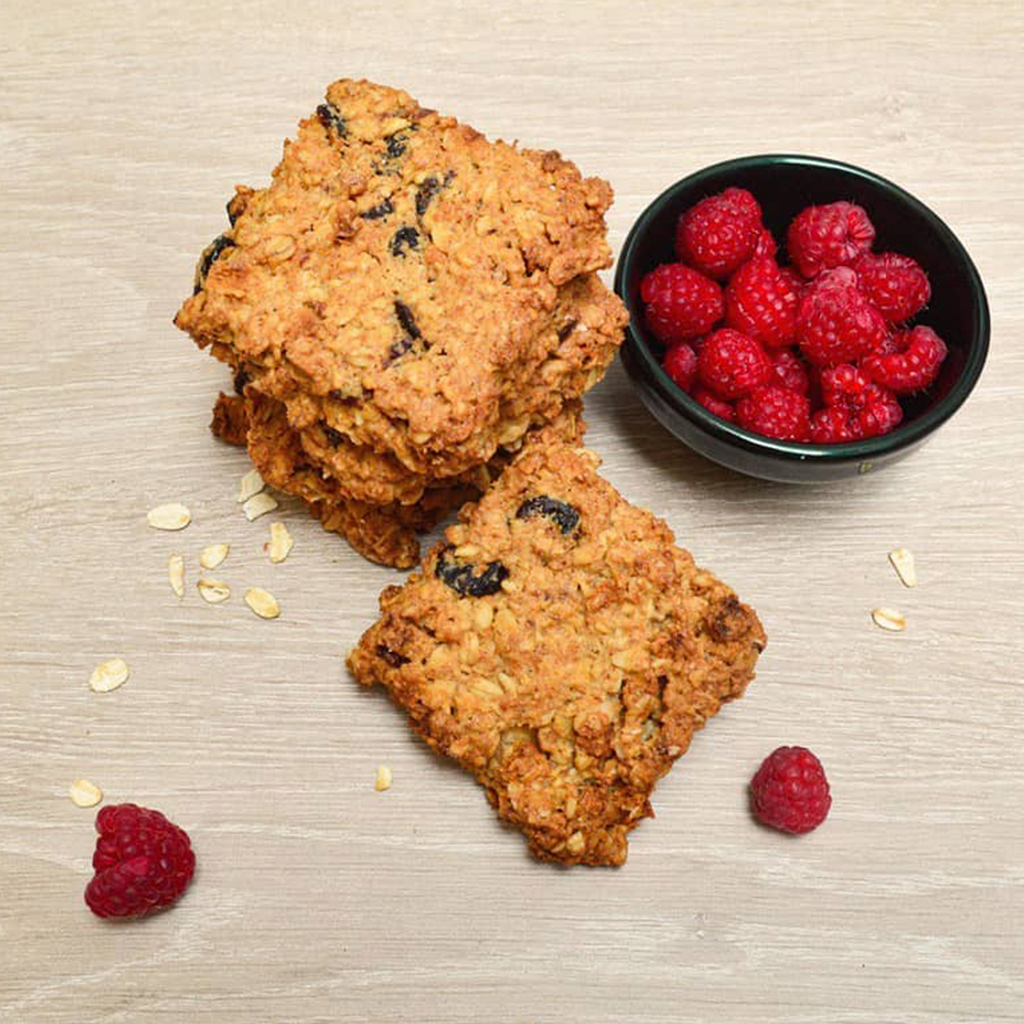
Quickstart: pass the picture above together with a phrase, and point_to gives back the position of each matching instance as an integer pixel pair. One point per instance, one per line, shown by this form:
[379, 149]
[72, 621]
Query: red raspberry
[776, 412]
[681, 303]
[835, 322]
[871, 409]
[790, 791]
[719, 406]
[895, 285]
[719, 233]
[832, 425]
[759, 302]
[790, 372]
[908, 361]
[821, 237]
[680, 364]
[142, 862]
[732, 364]
[765, 245]
[792, 276]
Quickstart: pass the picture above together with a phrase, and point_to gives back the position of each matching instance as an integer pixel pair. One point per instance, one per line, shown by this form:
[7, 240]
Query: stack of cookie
[404, 307]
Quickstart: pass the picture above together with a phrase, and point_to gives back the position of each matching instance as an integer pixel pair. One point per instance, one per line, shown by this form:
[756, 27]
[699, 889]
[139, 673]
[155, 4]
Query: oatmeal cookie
[398, 277]
[561, 648]
[386, 533]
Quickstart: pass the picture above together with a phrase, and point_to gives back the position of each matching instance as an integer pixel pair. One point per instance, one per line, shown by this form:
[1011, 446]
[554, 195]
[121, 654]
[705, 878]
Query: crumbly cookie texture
[561, 648]
[398, 276]
[386, 533]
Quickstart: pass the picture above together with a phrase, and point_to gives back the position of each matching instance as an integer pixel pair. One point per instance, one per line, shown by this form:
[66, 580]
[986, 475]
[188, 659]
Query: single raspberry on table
[790, 371]
[142, 863]
[680, 364]
[681, 303]
[719, 406]
[720, 232]
[776, 412]
[733, 364]
[821, 237]
[908, 361]
[835, 322]
[790, 791]
[760, 302]
[895, 285]
[871, 409]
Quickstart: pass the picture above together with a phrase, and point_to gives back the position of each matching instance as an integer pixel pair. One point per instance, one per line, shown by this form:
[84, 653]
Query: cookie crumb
[903, 562]
[250, 485]
[383, 780]
[109, 675]
[259, 505]
[176, 574]
[173, 516]
[84, 793]
[280, 542]
[262, 602]
[213, 591]
[890, 619]
[213, 554]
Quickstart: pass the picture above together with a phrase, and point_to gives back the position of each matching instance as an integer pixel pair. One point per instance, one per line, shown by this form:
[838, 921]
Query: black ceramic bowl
[784, 185]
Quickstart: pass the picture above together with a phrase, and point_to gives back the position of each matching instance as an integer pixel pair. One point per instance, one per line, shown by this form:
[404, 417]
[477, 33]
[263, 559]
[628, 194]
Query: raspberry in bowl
[846, 321]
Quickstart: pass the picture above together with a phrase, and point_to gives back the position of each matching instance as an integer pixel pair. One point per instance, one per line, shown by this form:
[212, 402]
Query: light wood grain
[123, 128]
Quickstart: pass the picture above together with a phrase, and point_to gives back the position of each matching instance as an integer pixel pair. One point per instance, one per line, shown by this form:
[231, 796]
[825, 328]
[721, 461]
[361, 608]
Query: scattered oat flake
[109, 675]
[280, 542]
[213, 554]
[250, 484]
[259, 505]
[889, 618]
[262, 602]
[174, 516]
[83, 793]
[903, 562]
[176, 574]
[383, 780]
[213, 591]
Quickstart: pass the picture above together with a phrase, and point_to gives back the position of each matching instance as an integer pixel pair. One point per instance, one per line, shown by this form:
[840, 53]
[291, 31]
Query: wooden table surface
[123, 128]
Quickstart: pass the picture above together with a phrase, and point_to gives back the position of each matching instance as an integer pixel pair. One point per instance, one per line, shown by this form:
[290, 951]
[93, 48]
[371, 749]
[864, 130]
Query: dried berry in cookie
[909, 361]
[561, 513]
[467, 583]
[404, 238]
[681, 304]
[720, 233]
[331, 119]
[895, 285]
[822, 237]
[733, 364]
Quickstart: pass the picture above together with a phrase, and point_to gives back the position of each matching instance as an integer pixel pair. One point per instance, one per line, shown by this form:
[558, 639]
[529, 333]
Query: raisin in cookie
[561, 648]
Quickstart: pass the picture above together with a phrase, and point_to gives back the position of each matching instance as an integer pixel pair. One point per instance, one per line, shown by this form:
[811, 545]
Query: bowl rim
[907, 434]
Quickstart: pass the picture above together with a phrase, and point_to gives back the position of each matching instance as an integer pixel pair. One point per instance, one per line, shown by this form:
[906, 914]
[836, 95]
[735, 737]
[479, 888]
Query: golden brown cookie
[399, 278]
[561, 648]
[386, 533]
